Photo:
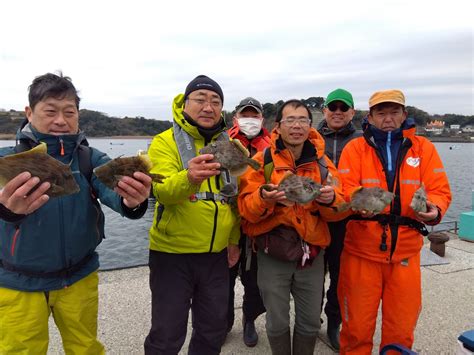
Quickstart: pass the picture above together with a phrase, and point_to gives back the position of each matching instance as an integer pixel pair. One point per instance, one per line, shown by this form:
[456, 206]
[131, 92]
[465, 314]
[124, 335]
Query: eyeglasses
[216, 103]
[333, 107]
[292, 121]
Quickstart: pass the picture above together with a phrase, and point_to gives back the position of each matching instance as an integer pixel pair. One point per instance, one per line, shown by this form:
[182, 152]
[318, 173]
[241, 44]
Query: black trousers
[252, 304]
[180, 282]
[332, 259]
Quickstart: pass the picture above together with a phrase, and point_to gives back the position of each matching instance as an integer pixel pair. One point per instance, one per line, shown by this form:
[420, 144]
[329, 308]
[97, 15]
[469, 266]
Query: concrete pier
[448, 310]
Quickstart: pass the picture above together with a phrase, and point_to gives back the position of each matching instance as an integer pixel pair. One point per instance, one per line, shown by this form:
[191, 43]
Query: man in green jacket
[195, 234]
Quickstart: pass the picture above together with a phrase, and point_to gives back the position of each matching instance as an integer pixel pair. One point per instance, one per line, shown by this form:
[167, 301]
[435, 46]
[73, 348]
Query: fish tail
[343, 207]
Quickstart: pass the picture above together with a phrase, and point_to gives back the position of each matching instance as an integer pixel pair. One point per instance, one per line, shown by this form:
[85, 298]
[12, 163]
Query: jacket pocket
[163, 217]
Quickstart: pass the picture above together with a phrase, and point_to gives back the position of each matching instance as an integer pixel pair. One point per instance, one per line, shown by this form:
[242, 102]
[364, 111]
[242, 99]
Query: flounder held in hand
[418, 202]
[369, 199]
[299, 189]
[39, 163]
[232, 155]
[111, 172]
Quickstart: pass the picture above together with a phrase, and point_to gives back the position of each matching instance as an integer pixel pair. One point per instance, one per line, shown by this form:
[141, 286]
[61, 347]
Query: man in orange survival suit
[382, 261]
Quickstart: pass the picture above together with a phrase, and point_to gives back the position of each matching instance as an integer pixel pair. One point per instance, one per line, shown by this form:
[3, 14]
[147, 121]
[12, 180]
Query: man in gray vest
[337, 129]
[195, 235]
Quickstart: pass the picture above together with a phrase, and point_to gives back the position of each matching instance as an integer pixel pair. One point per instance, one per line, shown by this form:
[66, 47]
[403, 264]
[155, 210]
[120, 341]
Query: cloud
[132, 58]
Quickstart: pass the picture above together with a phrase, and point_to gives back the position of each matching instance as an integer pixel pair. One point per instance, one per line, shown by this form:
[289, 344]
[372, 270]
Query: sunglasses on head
[333, 106]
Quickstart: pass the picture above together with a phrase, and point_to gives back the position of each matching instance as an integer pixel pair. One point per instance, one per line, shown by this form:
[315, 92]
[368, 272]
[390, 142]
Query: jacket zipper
[15, 236]
[334, 150]
[215, 218]
[61, 144]
[396, 190]
[61, 228]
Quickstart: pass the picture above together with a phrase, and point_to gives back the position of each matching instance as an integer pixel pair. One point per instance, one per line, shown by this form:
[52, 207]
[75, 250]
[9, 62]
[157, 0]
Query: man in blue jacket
[48, 262]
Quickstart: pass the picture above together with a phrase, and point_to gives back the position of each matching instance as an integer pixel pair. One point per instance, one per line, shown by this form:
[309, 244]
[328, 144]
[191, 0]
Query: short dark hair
[51, 85]
[294, 103]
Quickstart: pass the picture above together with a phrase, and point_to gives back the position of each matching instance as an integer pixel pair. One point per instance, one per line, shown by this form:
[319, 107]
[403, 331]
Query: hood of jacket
[408, 126]
[55, 143]
[180, 119]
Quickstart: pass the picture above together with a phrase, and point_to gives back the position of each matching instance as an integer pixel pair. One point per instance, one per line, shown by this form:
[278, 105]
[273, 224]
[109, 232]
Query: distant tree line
[99, 124]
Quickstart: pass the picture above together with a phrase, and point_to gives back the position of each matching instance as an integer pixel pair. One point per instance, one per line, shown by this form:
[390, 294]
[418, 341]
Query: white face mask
[250, 126]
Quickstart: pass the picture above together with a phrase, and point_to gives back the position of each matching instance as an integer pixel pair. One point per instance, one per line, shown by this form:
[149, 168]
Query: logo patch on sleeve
[414, 162]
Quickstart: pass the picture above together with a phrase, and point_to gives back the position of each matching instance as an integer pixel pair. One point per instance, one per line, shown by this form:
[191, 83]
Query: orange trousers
[362, 285]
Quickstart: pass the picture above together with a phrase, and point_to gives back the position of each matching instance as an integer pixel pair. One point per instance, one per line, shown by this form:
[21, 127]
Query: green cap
[340, 95]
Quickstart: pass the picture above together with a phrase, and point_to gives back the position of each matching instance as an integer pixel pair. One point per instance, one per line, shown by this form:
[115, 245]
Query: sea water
[126, 242]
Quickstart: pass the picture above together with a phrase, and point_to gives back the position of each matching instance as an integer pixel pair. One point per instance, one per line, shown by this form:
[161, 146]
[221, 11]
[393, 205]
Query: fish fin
[254, 164]
[41, 148]
[343, 207]
[356, 191]
[238, 172]
[157, 178]
[229, 190]
[286, 175]
[145, 158]
[239, 145]
[331, 180]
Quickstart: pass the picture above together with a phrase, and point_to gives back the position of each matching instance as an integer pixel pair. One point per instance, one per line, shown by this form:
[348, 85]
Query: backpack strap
[84, 154]
[22, 146]
[323, 169]
[268, 166]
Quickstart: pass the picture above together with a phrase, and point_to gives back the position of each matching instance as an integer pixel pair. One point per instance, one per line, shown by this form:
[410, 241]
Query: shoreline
[5, 136]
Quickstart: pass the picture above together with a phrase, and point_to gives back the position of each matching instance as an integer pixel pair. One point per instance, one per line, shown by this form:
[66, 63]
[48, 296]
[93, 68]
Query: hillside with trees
[99, 124]
[95, 124]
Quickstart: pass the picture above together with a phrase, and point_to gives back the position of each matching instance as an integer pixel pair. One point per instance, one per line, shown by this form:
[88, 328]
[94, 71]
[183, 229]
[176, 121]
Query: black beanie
[205, 83]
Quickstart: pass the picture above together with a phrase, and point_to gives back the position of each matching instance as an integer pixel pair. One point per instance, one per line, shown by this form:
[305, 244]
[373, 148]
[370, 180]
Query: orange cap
[395, 96]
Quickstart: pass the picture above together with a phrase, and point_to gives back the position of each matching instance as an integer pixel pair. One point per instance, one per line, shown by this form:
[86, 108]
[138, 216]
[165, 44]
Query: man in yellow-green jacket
[195, 234]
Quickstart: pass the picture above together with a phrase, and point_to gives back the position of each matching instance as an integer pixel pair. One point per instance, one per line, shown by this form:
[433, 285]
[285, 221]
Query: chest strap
[391, 219]
[208, 196]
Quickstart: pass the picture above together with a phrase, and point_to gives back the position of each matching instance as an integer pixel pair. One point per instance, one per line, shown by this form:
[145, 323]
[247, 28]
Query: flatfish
[232, 155]
[111, 172]
[418, 202]
[368, 199]
[39, 163]
[299, 189]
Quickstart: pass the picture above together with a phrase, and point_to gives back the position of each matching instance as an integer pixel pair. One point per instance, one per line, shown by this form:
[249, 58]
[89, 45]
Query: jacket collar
[347, 130]
[180, 119]
[313, 148]
[406, 130]
[72, 141]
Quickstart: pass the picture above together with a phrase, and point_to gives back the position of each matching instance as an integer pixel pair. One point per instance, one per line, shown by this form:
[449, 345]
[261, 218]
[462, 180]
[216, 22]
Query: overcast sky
[130, 58]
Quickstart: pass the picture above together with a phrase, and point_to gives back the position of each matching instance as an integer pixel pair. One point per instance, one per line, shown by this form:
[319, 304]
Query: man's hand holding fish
[15, 194]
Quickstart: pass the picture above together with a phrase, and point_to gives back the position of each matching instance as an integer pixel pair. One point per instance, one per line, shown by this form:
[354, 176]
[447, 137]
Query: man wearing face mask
[248, 129]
